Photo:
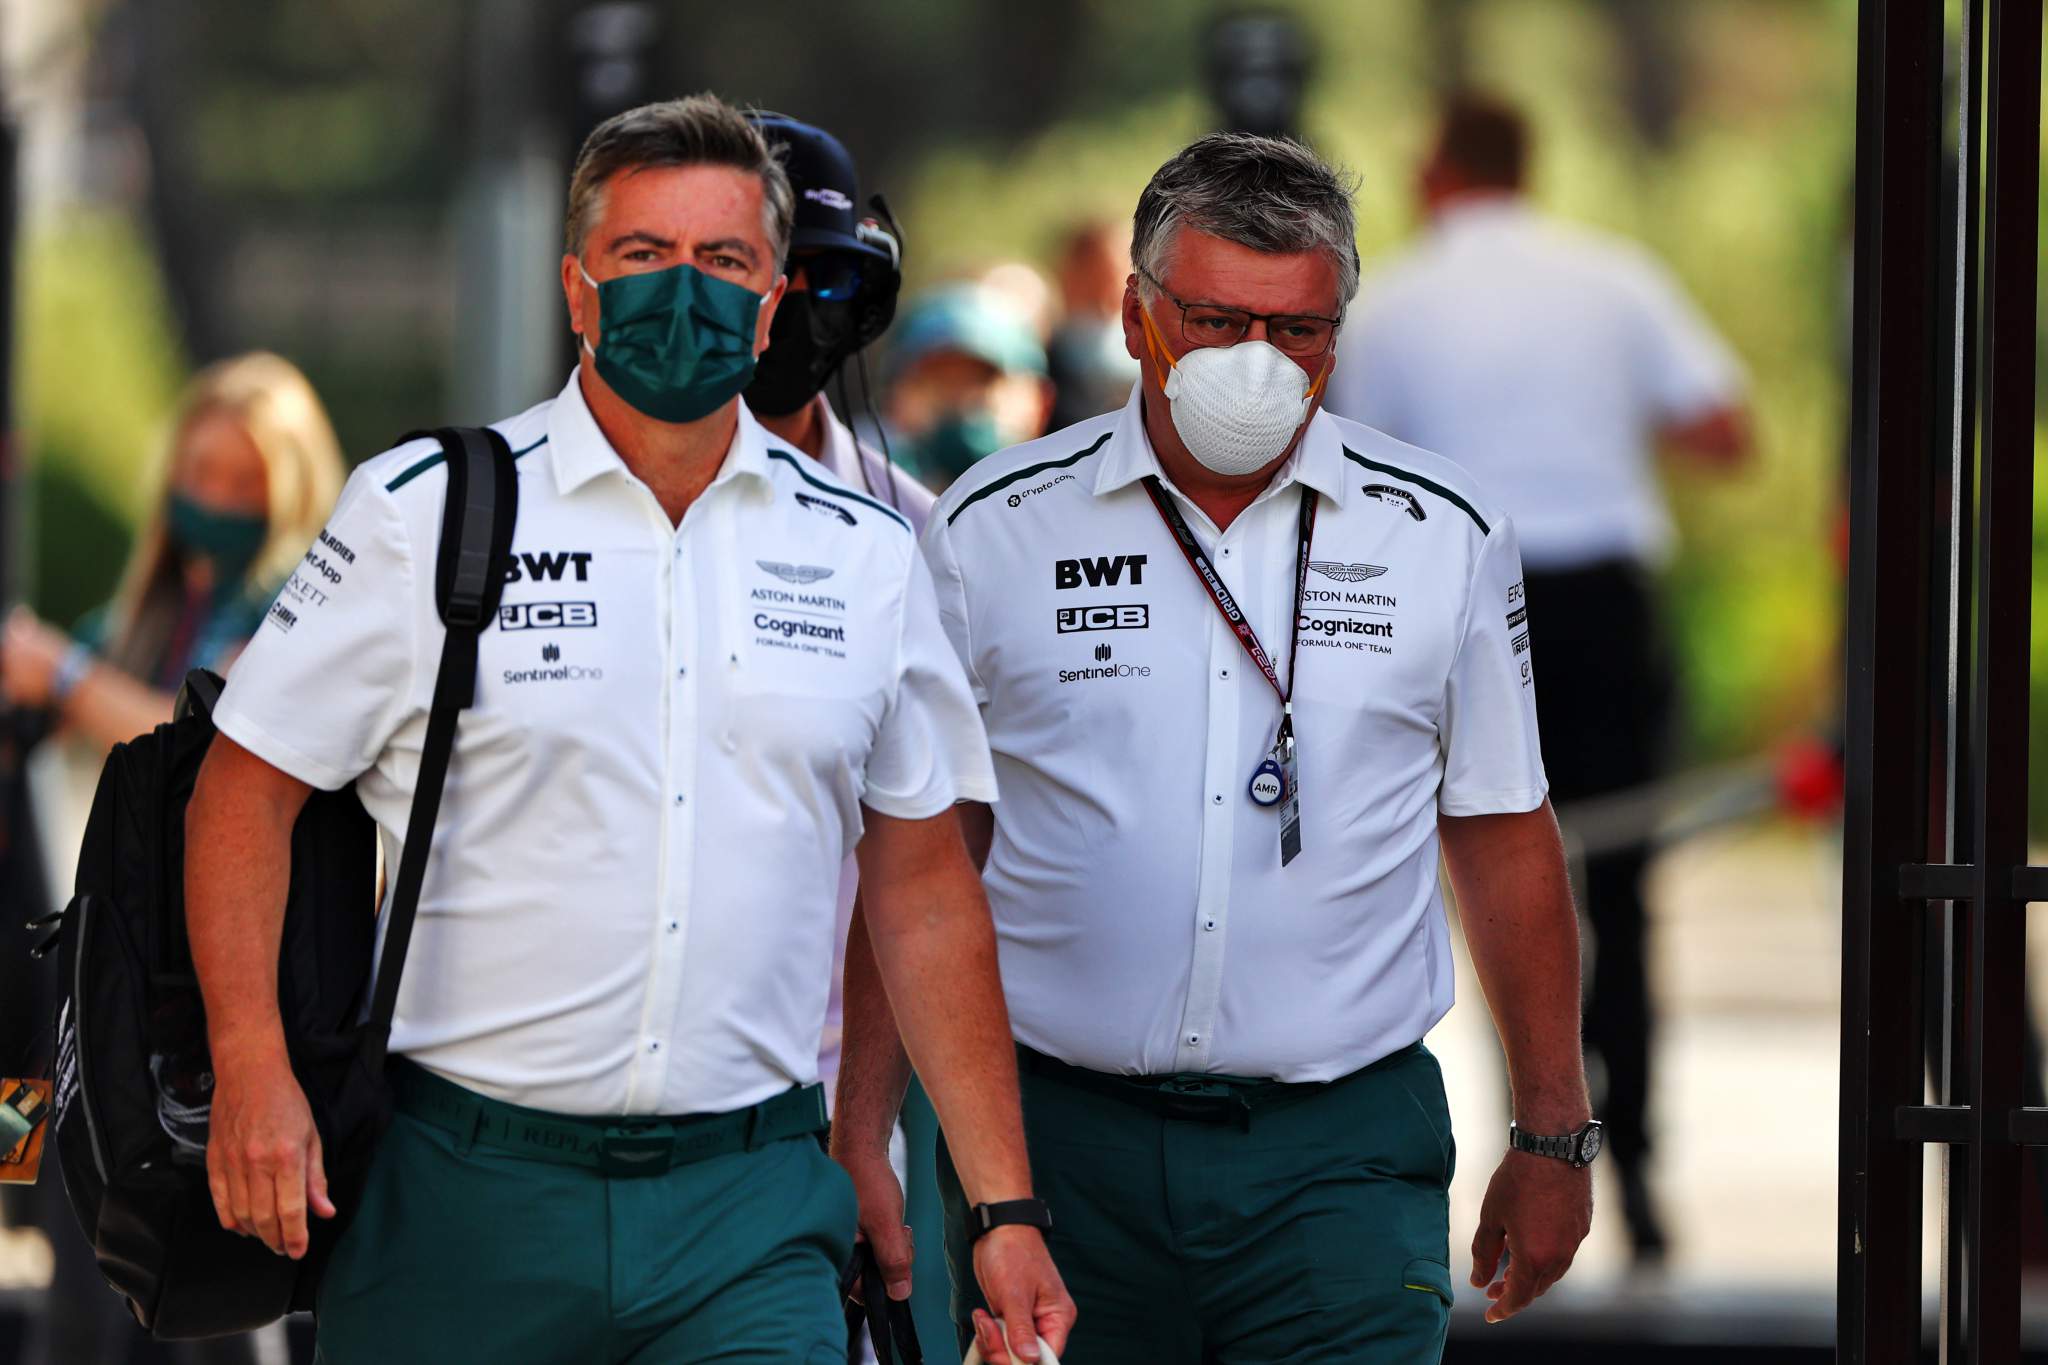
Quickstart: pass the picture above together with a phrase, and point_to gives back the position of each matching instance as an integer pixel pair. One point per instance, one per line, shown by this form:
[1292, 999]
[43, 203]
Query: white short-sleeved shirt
[862, 467]
[629, 907]
[1544, 359]
[1145, 922]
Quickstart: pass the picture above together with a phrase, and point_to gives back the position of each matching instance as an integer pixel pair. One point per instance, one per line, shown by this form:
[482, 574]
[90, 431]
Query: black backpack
[133, 1077]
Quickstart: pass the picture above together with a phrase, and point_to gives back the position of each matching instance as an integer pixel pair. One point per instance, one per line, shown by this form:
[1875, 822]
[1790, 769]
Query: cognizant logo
[789, 628]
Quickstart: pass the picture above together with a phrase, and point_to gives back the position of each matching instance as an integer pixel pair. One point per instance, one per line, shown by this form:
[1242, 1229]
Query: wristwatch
[1031, 1213]
[1578, 1148]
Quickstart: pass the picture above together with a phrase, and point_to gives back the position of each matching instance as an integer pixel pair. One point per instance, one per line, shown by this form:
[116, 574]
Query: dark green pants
[487, 1256]
[1315, 1233]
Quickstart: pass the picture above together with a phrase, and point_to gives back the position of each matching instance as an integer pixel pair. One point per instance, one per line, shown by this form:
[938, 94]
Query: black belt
[613, 1145]
[1194, 1096]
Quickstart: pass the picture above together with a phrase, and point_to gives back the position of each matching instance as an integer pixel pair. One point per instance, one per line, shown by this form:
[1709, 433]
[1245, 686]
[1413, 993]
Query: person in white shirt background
[1554, 363]
[1221, 955]
[844, 274]
[717, 669]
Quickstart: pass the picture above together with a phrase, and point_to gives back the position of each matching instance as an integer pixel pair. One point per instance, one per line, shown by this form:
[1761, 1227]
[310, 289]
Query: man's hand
[1538, 1210]
[1023, 1289]
[263, 1159]
[881, 1217]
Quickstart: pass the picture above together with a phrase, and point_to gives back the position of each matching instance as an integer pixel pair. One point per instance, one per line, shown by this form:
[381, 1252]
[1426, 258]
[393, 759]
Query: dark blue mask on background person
[229, 540]
[677, 344]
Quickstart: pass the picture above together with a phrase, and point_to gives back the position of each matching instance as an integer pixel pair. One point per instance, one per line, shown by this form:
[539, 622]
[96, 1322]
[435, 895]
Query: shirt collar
[1479, 213]
[580, 452]
[1318, 458]
[838, 451]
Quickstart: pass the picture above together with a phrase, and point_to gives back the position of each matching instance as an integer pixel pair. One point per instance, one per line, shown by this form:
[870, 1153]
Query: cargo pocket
[1425, 1276]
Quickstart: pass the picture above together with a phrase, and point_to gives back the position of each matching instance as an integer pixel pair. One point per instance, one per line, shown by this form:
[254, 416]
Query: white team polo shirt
[860, 466]
[629, 907]
[1544, 359]
[1145, 922]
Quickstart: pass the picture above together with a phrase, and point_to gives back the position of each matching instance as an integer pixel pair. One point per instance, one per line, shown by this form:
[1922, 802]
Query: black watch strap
[1031, 1213]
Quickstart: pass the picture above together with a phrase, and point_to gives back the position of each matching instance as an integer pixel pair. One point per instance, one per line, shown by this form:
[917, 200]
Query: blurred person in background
[1090, 369]
[966, 378]
[1221, 960]
[251, 467]
[843, 278]
[1554, 363]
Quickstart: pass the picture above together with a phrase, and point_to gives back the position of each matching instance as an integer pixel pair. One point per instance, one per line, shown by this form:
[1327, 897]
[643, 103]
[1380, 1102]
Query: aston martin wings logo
[800, 574]
[1346, 573]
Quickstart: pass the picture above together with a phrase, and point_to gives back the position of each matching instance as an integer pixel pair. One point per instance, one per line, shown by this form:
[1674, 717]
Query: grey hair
[693, 131]
[1267, 193]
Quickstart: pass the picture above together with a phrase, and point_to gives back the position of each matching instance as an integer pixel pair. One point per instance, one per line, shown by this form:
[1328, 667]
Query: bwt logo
[1102, 571]
[1102, 653]
[548, 566]
[1071, 619]
[547, 616]
[550, 653]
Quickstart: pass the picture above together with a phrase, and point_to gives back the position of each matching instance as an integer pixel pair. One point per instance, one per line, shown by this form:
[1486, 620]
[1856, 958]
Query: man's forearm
[936, 950]
[1515, 902]
[237, 875]
[874, 1070]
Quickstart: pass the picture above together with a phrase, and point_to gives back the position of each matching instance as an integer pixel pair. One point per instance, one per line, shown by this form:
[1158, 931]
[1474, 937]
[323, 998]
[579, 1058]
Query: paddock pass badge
[1268, 786]
[24, 1109]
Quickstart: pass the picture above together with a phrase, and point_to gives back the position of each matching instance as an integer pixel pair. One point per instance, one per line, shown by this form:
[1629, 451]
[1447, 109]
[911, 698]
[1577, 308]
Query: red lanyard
[1226, 604]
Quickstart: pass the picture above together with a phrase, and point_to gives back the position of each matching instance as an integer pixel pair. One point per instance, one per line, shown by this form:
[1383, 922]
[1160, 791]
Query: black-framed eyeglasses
[1304, 336]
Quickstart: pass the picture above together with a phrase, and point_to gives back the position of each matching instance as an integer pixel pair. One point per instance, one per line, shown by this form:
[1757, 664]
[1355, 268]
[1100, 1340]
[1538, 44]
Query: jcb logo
[547, 615]
[1102, 571]
[1072, 619]
[547, 566]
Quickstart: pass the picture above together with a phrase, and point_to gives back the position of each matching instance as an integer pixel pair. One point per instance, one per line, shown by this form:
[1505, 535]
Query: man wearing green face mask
[716, 670]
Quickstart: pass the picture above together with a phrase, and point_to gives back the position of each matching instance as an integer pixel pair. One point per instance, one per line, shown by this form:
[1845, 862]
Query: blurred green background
[294, 178]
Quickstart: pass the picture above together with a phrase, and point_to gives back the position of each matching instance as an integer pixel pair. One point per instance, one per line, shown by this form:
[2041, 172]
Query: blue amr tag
[1268, 784]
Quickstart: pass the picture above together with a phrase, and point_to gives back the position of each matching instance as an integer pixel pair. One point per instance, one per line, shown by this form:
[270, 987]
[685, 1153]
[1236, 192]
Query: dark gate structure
[1936, 880]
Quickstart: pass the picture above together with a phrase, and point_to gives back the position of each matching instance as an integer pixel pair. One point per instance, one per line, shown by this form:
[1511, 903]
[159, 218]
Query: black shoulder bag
[134, 1080]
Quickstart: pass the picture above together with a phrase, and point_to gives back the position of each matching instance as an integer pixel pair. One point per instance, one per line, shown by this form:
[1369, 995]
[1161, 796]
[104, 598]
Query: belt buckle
[1197, 1101]
[632, 1152]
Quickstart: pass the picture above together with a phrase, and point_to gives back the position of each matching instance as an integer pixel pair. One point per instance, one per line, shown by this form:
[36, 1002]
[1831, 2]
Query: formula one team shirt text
[1146, 924]
[629, 906]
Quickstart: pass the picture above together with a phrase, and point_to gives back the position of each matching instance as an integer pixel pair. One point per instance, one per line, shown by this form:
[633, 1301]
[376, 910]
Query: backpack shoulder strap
[476, 538]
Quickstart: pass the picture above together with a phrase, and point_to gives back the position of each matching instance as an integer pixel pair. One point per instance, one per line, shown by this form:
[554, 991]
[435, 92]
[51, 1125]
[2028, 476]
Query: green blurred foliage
[1748, 204]
[99, 371]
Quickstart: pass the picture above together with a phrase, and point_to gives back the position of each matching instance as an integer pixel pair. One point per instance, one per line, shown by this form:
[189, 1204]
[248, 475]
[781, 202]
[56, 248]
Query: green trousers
[1311, 1231]
[465, 1252]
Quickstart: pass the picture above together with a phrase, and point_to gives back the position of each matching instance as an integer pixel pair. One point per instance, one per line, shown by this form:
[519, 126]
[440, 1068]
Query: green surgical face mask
[955, 442]
[231, 540]
[677, 344]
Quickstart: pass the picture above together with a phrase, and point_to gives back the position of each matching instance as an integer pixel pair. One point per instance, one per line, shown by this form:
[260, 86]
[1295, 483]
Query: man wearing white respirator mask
[1246, 669]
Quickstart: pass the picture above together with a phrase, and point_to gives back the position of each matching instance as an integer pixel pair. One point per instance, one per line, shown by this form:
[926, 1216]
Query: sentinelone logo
[1106, 673]
[560, 673]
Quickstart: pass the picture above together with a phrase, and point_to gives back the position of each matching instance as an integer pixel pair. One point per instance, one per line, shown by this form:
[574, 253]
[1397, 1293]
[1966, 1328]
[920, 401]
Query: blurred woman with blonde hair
[249, 471]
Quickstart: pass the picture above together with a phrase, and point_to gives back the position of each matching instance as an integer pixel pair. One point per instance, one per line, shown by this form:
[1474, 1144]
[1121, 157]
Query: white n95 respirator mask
[1235, 407]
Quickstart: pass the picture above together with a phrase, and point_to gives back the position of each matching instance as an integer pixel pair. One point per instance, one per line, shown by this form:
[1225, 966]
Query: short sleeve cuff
[237, 726]
[925, 805]
[1505, 801]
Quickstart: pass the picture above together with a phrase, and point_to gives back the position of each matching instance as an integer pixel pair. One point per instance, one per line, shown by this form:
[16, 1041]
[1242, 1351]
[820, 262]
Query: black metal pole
[1893, 437]
[1988, 1221]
